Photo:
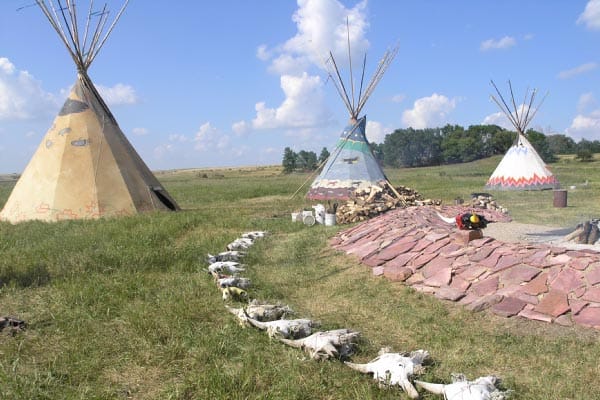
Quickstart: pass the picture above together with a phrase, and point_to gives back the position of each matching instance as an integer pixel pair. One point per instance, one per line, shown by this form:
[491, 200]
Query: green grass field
[121, 308]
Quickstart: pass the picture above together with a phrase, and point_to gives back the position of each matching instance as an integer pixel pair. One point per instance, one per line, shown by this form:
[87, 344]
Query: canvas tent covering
[84, 167]
[351, 165]
[521, 168]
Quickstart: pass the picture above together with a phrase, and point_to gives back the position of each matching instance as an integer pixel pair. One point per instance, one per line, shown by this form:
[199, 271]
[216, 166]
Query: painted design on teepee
[73, 106]
[521, 168]
[84, 167]
[351, 165]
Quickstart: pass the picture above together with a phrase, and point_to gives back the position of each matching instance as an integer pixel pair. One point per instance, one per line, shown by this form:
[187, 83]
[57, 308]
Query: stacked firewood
[487, 202]
[585, 233]
[370, 202]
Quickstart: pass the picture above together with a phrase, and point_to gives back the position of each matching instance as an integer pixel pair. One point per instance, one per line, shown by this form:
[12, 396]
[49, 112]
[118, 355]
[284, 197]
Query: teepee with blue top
[352, 165]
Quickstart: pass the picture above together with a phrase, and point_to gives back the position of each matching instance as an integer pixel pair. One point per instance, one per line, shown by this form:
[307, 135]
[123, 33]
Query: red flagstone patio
[521, 280]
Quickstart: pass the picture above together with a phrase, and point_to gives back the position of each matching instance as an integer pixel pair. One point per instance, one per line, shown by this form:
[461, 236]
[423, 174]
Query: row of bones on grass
[388, 369]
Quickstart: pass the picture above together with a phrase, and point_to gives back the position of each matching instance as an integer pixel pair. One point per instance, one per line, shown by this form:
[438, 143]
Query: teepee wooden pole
[350, 62]
[309, 177]
[110, 29]
[344, 96]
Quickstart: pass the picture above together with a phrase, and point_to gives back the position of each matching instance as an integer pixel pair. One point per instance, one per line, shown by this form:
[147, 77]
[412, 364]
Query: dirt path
[515, 232]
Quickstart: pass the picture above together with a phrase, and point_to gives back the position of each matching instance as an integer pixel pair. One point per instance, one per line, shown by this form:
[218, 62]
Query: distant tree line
[302, 161]
[451, 144]
[455, 144]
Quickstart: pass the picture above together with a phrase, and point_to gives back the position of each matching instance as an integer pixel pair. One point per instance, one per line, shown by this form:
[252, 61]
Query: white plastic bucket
[295, 217]
[329, 219]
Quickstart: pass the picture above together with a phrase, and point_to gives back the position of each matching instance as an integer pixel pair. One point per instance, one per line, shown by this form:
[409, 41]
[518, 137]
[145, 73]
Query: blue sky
[234, 82]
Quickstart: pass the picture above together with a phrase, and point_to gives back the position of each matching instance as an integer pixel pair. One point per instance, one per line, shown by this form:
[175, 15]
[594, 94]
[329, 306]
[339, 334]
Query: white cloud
[399, 98]
[585, 126]
[304, 105]
[118, 95]
[162, 150]
[322, 28]
[376, 131]
[178, 138]
[499, 119]
[583, 68]
[263, 53]
[502, 120]
[591, 15]
[208, 138]
[240, 127]
[22, 96]
[6, 67]
[287, 64]
[429, 112]
[139, 131]
[503, 43]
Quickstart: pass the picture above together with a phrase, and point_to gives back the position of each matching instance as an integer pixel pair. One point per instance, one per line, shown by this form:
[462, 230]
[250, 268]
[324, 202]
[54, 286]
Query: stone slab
[537, 285]
[589, 316]
[529, 314]
[554, 303]
[592, 275]
[483, 303]
[519, 274]
[464, 237]
[448, 293]
[592, 295]
[567, 280]
[485, 287]
[508, 307]
[397, 274]
[435, 265]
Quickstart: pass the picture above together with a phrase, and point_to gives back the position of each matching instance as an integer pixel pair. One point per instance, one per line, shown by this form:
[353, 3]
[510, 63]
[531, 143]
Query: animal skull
[226, 256]
[225, 266]
[236, 281]
[391, 369]
[260, 312]
[240, 244]
[483, 388]
[234, 293]
[322, 345]
[255, 234]
[285, 328]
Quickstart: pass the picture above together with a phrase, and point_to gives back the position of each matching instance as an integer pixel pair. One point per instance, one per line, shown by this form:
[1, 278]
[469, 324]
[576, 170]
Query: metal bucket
[560, 198]
[329, 219]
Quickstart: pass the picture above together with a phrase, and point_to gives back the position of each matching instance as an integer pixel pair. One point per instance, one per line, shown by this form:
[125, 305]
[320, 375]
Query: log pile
[368, 203]
[486, 201]
[585, 233]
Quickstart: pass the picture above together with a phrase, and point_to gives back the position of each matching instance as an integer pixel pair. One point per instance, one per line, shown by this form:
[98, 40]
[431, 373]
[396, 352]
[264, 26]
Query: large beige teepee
[84, 167]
